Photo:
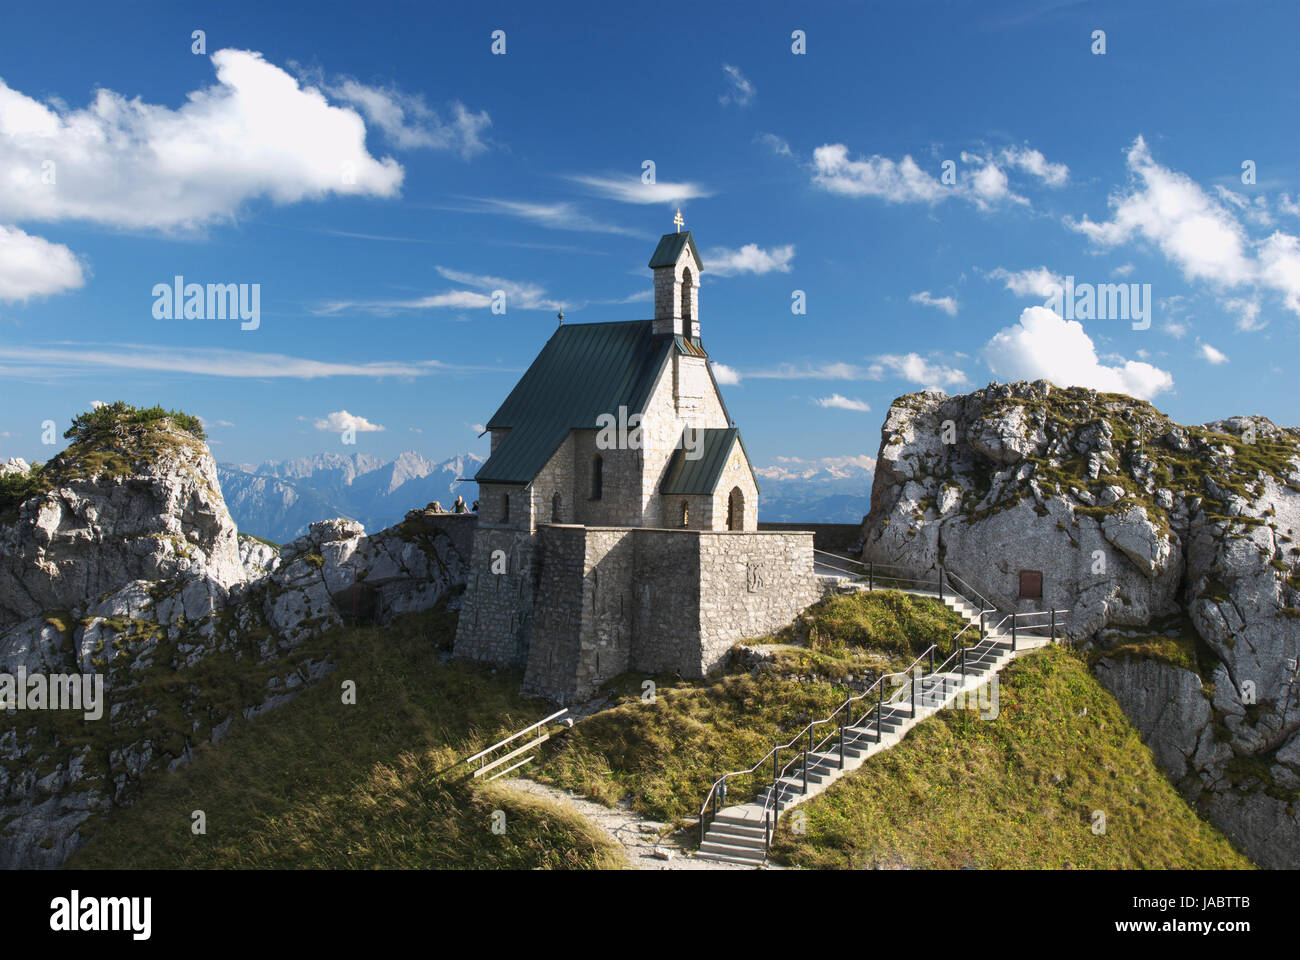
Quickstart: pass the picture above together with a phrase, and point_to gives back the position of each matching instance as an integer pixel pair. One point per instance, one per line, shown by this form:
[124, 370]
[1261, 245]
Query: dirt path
[639, 838]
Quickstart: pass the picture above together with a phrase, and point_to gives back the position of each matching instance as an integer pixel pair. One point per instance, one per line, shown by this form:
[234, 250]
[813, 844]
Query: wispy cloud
[634, 190]
[69, 359]
[778, 145]
[560, 215]
[518, 296]
[840, 402]
[947, 304]
[741, 91]
[809, 371]
[914, 367]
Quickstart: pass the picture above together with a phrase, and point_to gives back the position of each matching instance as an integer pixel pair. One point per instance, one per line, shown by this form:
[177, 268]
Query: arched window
[687, 293]
[736, 510]
[597, 477]
[555, 509]
[505, 508]
[686, 514]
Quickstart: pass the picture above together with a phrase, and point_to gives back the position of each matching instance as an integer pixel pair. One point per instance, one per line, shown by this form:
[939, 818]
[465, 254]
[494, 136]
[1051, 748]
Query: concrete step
[735, 840]
[723, 827]
[724, 858]
[733, 853]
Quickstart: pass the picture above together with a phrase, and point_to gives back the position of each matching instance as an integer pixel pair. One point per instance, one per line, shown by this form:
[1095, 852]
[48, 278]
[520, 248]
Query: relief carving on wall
[754, 579]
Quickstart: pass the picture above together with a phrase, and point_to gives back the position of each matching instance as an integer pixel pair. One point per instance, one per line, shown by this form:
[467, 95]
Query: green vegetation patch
[110, 440]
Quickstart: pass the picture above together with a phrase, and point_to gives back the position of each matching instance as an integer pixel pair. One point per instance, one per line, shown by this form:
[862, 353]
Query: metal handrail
[721, 781]
[770, 807]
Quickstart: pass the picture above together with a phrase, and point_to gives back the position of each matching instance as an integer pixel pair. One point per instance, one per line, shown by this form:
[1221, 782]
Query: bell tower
[677, 266]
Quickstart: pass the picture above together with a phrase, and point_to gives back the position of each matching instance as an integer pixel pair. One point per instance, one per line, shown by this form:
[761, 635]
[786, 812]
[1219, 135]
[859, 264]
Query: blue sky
[380, 173]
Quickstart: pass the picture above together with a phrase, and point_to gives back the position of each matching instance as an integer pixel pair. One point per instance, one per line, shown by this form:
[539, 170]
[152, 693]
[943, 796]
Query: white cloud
[1287, 205]
[840, 402]
[1123, 270]
[751, 258]
[1213, 356]
[876, 176]
[632, 190]
[254, 133]
[1196, 232]
[917, 369]
[1279, 260]
[96, 404]
[988, 185]
[1256, 211]
[341, 420]
[777, 145]
[1033, 162]
[34, 267]
[521, 296]
[526, 296]
[725, 375]
[1247, 312]
[1043, 346]
[984, 184]
[409, 123]
[79, 359]
[1035, 282]
[947, 304]
[741, 92]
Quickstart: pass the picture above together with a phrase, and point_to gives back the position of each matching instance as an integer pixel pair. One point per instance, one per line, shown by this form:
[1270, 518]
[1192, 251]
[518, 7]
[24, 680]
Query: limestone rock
[1126, 535]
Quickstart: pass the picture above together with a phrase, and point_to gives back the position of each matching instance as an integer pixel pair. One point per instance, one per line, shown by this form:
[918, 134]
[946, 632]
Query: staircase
[863, 726]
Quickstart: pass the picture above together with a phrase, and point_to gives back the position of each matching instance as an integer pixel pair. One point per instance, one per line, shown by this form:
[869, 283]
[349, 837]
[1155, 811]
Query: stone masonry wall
[554, 650]
[496, 612]
[751, 584]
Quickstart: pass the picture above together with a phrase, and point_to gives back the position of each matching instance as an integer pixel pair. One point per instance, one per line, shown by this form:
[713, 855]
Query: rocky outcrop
[1175, 549]
[188, 627]
[147, 508]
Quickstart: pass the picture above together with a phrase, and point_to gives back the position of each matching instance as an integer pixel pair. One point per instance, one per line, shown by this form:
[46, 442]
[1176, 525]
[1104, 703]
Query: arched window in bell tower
[688, 291]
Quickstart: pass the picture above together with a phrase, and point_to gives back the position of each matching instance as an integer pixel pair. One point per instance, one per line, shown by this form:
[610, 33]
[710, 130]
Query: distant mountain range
[830, 490]
[277, 500]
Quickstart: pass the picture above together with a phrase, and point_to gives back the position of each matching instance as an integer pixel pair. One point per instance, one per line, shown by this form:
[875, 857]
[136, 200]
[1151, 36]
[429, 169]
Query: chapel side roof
[700, 477]
[670, 248]
[584, 370]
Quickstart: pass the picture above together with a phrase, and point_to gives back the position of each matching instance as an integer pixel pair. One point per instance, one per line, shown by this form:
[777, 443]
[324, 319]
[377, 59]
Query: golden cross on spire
[678, 220]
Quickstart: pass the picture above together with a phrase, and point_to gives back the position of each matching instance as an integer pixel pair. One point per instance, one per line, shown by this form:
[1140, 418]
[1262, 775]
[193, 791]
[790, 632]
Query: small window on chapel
[686, 514]
[597, 478]
[505, 507]
[555, 509]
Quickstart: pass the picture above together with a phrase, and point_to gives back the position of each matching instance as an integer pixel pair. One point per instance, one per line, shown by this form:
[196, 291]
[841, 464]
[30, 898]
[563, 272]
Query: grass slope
[1017, 790]
[661, 755]
[379, 784]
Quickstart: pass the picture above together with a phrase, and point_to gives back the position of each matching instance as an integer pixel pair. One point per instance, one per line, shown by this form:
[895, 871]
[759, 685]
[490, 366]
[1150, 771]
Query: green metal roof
[700, 477]
[670, 248]
[584, 370]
